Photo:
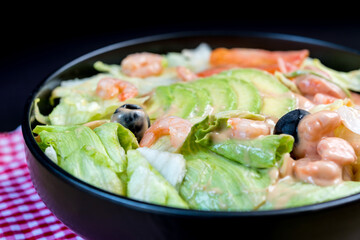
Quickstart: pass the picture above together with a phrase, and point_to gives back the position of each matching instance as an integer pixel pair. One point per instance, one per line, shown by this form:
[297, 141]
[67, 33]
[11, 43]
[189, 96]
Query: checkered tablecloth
[22, 213]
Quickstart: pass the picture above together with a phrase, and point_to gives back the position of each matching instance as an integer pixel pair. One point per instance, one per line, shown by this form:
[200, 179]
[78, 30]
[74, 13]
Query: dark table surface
[31, 51]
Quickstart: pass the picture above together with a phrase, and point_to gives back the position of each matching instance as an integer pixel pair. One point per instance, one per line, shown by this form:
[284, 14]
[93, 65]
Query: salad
[210, 129]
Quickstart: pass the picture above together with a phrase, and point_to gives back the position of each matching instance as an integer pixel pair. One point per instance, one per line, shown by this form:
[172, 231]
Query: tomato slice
[215, 70]
[271, 61]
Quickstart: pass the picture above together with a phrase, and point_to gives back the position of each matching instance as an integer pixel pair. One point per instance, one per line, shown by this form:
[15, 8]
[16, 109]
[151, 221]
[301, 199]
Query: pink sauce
[243, 129]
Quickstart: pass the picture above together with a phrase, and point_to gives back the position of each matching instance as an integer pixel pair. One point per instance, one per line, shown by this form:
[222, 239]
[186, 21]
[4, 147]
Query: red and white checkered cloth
[22, 213]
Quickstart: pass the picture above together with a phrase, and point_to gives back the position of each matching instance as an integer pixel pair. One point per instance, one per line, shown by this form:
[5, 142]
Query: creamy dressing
[243, 129]
[287, 166]
[280, 195]
[303, 103]
[274, 174]
[319, 172]
[221, 136]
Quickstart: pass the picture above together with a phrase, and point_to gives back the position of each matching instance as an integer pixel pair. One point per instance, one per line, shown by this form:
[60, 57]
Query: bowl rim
[134, 204]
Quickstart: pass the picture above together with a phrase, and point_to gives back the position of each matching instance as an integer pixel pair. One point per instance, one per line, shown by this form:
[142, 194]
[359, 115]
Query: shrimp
[178, 129]
[336, 156]
[321, 98]
[321, 172]
[142, 65]
[336, 150]
[128, 90]
[108, 88]
[303, 102]
[248, 129]
[312, 128]
[310, 85]
[186, 74]
[322, 158]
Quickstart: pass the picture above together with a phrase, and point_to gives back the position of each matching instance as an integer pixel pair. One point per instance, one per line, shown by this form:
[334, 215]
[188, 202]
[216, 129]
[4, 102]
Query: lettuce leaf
[262, 152]
[92, 166]
[213, 182]
[126, 138]
[196, 59]
[108, 135]
[288, 193]
[95, 156]
[216, 183]
[170, 165]
[79, 109]
[81, 152]
[345, 80]
[79, 103]
[37, 114]
[67, 139]
[147, 184]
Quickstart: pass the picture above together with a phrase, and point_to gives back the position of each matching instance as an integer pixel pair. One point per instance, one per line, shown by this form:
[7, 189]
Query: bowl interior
[334, 56]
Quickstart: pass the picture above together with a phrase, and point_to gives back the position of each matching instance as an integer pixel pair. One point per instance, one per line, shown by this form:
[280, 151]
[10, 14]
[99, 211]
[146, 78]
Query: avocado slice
[223, 97]
[184, 99]
[204, 106]
[204, 96]
[277, 99]
[230, 94]
[248, 97]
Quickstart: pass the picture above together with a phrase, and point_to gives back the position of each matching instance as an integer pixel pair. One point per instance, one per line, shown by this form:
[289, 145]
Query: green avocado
[248, 97]
[223, 97]
[184, 100]
[202, 97]
[247, 89]
[277, 99]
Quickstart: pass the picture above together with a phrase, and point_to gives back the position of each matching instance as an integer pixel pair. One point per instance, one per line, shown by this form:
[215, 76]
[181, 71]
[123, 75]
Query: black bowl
[97, 214]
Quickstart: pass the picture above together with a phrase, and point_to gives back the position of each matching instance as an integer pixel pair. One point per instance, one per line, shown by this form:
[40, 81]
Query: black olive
[288, 123]
[133, 117]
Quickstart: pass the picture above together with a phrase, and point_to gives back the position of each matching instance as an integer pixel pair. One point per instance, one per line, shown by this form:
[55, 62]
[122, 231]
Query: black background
[43, 40]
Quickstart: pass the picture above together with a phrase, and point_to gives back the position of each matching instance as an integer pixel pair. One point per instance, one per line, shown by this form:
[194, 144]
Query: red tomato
[270, 61]
[214, 70]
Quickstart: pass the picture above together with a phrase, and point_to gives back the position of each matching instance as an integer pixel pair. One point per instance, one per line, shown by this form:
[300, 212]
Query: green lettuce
[80, 104]
[112, 135]
[213, 182]
[147, 184]
[171, 166]
[92, 167]
[79, 109]
[67, 139]
[262, 152]
[345, 80]
[288, 193]
[95, 156]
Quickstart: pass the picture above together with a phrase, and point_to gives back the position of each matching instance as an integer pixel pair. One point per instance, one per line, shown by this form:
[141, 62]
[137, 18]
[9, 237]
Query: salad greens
[213, 182]
[211, 169]
[147, 184]
[262, 152]
[287, 193]
[81, 152]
